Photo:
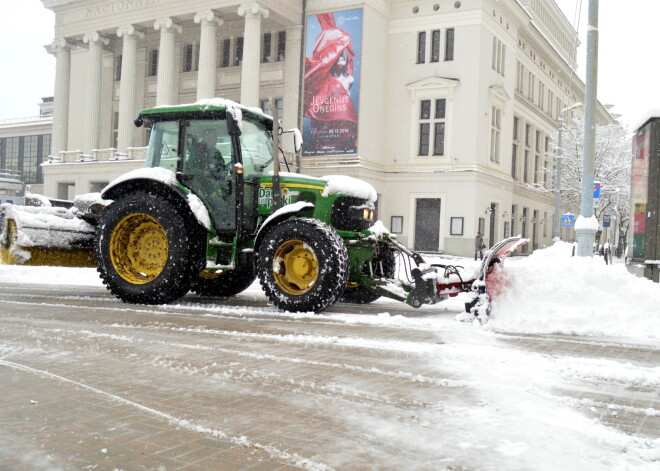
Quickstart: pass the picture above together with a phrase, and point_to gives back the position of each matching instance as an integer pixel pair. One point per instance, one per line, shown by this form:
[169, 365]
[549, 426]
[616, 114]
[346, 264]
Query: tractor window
[208, 148]
[256, 148]
[163, 145]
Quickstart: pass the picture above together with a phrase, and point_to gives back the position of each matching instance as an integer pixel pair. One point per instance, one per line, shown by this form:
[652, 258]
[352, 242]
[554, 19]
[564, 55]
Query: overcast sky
[628, 68]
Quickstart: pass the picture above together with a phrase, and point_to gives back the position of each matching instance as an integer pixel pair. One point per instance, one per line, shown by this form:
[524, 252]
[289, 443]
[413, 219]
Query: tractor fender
[285, 212]
[164, 183]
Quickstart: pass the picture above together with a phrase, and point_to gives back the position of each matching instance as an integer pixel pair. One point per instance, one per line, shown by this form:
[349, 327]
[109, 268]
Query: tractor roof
[204, 106]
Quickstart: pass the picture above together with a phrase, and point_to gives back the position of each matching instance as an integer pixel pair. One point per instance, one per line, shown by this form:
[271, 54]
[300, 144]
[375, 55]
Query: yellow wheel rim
[295, 267]
[138, 248]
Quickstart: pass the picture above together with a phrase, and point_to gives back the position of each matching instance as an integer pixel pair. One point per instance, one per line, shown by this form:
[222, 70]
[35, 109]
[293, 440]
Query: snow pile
[341, 184]
[552, 292]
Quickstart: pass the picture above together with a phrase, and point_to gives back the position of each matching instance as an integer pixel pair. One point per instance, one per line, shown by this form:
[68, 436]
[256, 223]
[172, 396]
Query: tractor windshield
[256, 148]
[163, 144]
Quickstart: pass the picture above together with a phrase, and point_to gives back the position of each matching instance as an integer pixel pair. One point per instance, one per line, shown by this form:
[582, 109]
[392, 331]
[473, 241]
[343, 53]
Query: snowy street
[219, 384]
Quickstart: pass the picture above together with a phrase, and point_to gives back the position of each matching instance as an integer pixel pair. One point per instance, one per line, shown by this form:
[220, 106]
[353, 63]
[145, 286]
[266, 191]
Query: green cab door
[210, 173]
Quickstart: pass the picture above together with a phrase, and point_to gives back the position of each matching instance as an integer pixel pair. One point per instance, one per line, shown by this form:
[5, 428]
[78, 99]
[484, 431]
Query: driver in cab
[205, 157]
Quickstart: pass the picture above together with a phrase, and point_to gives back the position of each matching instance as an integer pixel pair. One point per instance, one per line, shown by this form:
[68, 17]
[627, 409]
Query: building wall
[483, 90]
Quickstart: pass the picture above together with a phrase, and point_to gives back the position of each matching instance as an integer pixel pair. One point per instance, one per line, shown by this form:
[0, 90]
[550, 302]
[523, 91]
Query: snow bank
[552, 292]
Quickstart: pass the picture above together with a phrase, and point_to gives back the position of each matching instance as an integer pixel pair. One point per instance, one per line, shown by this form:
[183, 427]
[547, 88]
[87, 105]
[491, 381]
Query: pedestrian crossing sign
[567, 220]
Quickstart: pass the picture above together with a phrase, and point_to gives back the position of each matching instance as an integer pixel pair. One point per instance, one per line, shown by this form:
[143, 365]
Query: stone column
[250, 70]
[166, 92]
[61, 49]
[92, 123]
[208, 53]
[292, 76]
[125, 126]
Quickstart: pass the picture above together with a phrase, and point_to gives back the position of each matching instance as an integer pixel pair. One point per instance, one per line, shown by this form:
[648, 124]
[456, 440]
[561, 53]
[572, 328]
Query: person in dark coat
[479, 246]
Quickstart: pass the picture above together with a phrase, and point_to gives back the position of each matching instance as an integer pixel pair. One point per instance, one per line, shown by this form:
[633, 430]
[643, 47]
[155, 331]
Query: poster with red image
[332, 83]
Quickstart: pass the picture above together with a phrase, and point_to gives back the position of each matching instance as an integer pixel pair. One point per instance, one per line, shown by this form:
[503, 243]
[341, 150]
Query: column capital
[130, 31]
[167, 23]
[253, 9]
[60, 43]
[95, 37]
[209, 16]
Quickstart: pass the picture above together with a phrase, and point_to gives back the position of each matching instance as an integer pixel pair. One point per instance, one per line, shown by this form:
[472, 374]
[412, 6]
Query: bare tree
[611, 168]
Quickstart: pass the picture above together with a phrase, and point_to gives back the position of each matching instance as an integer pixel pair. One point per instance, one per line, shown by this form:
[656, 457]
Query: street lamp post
[560, 154]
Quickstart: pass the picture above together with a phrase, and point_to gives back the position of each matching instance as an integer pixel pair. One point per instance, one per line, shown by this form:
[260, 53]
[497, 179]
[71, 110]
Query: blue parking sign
[567, 220]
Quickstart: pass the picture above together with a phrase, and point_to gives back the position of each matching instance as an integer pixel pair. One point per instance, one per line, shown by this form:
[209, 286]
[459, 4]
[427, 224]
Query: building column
[166, 92]
[125, 126]
[250, 69]
[292, 76]
[208, 53]
[92, 126]
[61, 49]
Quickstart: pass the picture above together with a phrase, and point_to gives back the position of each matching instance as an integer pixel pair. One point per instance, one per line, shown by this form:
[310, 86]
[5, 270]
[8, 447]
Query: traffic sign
[606, 220]
[597, 187]
[567, 220]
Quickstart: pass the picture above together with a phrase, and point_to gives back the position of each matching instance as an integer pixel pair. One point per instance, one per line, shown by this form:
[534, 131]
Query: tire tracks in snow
[291, 458]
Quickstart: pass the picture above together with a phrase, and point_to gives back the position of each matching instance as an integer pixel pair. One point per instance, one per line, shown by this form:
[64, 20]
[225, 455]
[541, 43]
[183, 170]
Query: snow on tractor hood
[168, 178]
[341, 184]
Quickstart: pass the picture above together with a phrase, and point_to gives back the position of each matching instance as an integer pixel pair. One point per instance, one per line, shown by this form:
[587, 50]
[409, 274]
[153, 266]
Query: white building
[456, 102]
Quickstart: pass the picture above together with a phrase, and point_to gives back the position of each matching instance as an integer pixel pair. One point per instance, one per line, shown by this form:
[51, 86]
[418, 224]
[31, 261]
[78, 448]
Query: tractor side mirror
[297, 139]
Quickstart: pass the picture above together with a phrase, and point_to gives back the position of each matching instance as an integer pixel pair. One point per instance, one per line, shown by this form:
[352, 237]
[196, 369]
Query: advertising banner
[639, 189]
[332, 83]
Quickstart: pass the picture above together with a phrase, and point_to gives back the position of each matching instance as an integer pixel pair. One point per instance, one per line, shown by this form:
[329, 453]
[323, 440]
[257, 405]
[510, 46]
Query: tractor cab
[218, 157]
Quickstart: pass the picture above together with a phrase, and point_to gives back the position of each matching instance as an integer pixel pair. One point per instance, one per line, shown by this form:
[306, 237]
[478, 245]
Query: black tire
[224, 283]
[303, 265]
[383, 266]
[147, 248]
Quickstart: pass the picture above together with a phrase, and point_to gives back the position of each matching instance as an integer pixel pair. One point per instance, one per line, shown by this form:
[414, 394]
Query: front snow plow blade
[432, 283]
[38, 235]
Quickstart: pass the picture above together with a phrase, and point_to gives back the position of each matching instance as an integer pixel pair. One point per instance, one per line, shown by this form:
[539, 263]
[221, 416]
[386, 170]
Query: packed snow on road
[503, 401]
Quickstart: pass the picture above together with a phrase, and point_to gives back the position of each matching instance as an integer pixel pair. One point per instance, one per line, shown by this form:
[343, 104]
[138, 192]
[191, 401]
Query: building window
[265, 53]
[281, 45]
[188, 55]
[528, 132]
[449, 44]
[435, 45]
[515, 151]
[226, 52]
[432, 115]
[499, 56]
[118, 67]
[152, 69]
[238, 56]
[266, 107]
[495, 129]
[537, 156]
[421, 47]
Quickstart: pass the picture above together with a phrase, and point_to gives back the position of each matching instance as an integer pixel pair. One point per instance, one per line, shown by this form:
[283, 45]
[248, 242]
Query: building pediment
[433, 83]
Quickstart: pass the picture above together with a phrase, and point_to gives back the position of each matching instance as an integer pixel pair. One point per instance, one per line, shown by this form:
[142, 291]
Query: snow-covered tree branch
[611, 168]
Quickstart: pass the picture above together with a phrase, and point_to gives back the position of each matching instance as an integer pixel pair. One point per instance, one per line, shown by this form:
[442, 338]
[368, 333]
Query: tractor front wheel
[144, 247]
[303, 265]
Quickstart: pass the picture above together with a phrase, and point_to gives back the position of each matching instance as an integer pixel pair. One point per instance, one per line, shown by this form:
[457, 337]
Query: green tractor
[211, 211]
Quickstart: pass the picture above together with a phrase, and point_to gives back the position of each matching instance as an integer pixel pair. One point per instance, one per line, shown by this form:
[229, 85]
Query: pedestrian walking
[479, 246]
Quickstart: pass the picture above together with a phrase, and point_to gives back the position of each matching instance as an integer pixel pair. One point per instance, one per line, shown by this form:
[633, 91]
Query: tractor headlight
[368, 214]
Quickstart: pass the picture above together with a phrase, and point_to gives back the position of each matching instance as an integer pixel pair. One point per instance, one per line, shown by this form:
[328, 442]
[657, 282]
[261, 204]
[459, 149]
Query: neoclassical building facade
[448, 108]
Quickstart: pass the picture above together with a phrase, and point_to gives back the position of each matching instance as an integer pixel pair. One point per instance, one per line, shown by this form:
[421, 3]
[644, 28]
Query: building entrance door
[427, 224]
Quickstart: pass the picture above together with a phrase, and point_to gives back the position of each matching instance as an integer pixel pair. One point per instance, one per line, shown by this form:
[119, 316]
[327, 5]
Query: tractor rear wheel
[303, 265]
[383, 265]
[144, 247]
[224, 282]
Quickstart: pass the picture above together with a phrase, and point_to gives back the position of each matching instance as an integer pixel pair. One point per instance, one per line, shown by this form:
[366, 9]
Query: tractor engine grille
[352, 214]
